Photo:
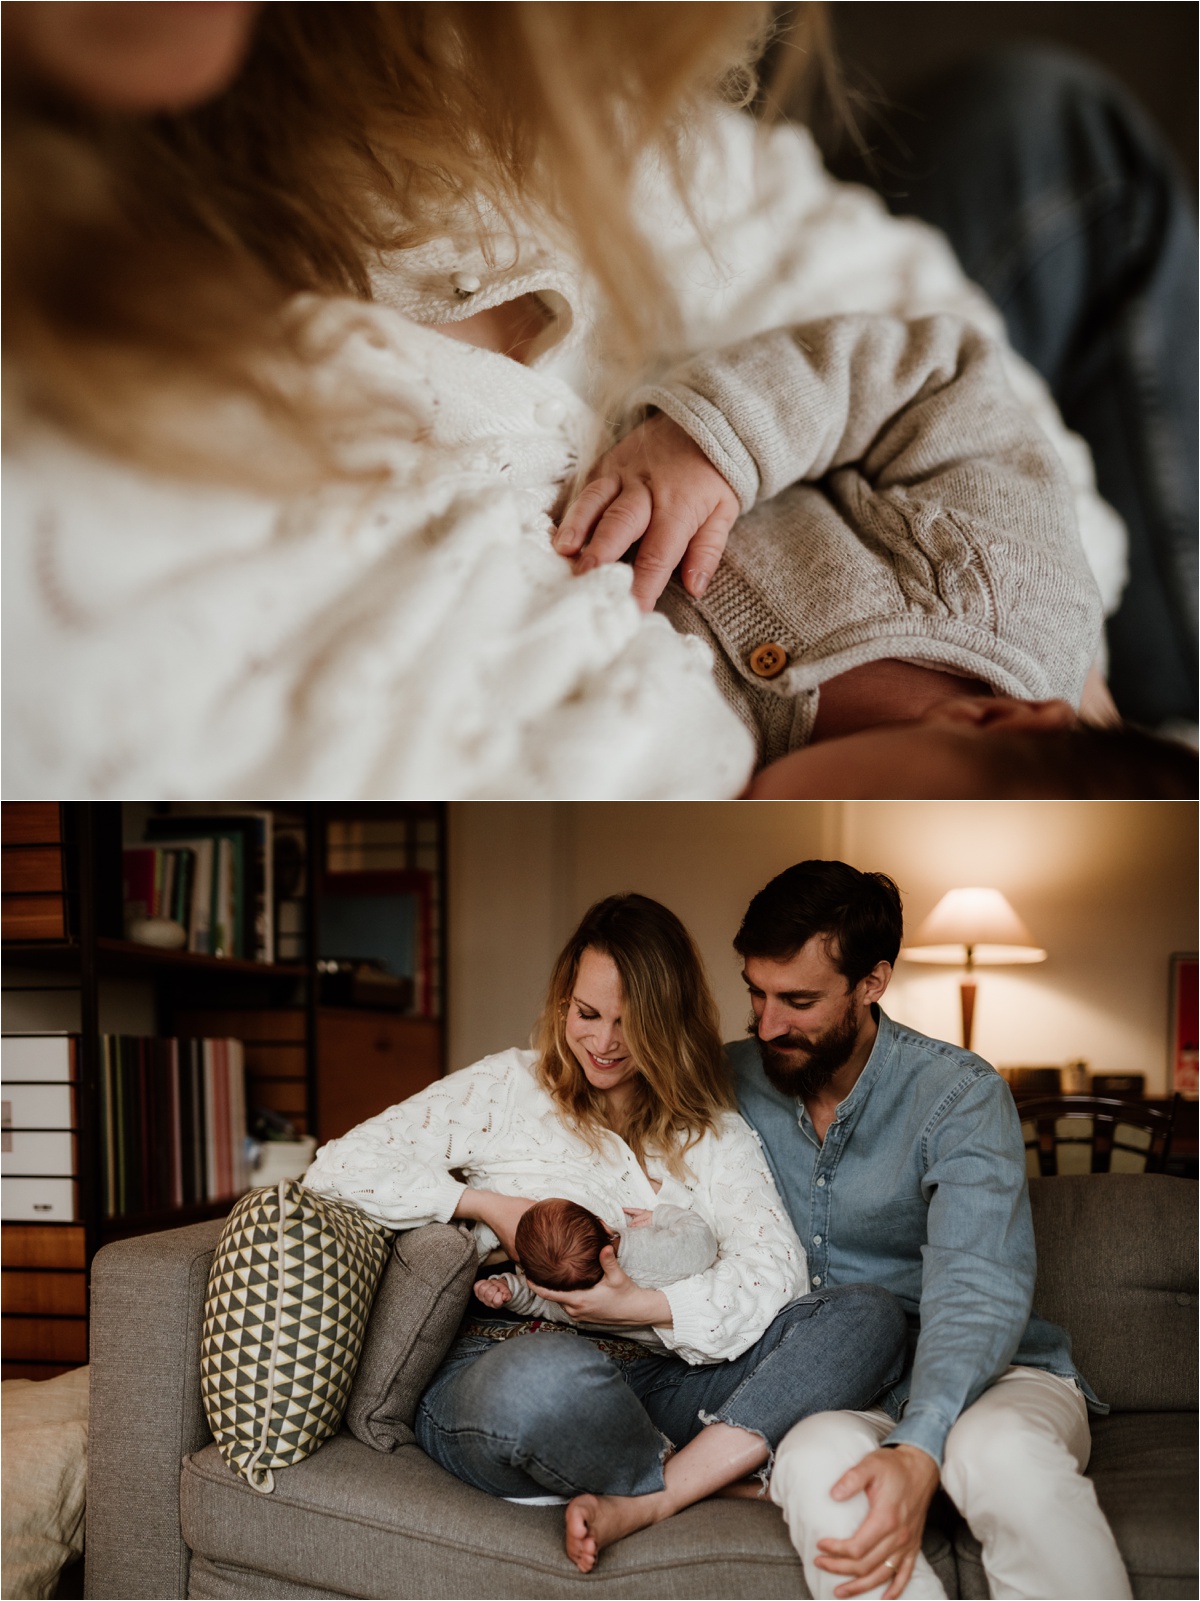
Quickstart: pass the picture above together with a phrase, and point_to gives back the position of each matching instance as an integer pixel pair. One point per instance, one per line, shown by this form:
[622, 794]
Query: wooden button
[768, 661]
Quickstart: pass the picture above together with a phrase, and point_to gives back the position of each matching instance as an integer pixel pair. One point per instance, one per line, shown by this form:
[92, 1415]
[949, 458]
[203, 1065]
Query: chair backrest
[1098, 1122]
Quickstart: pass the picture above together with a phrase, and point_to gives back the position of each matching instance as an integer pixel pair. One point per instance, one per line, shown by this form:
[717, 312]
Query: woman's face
[153, 55]
[594, 1023]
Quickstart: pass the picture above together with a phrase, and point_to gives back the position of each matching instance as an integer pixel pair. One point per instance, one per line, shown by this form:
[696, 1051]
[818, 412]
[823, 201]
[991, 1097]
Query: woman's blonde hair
[670, 1025]
[145, 251]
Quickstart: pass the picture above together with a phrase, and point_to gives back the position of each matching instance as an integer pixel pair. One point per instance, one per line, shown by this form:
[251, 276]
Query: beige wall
[1107, 888]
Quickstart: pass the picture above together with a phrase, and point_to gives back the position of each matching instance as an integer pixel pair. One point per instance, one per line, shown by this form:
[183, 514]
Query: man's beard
[806, 1072]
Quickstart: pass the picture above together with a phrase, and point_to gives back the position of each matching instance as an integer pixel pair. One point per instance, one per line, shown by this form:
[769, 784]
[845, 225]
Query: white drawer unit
[37, 1058]
[38, 1200]
[38, 1154]
[39, 1106]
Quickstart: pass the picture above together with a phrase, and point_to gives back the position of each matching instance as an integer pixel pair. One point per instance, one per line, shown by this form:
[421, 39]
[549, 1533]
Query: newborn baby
[559, 1245]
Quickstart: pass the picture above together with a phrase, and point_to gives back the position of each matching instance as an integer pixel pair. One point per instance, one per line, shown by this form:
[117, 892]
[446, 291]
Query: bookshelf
[316, 1053]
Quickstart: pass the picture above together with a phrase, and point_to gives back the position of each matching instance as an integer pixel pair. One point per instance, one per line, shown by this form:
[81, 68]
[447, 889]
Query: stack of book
[173, 1122]
[213, 875]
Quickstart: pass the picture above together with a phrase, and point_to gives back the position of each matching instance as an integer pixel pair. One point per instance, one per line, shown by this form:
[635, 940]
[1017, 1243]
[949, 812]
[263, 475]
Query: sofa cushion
[425, 1288]
[290, 1289]
[352, 1522]
[1117, 1270]
[1143, 1465]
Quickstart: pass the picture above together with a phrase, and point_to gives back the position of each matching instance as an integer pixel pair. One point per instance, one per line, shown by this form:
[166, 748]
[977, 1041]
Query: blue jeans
[1063, 202]
[549, 1411]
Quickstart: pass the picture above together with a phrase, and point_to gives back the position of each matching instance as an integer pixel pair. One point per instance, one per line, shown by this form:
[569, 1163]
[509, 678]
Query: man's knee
[813, 1455]
[998, 1452]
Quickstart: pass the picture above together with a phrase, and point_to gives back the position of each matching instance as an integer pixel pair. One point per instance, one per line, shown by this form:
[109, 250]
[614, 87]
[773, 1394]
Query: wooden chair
[1098, 1120]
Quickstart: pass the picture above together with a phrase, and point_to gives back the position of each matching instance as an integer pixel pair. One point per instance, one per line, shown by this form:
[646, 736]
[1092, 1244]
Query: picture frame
[1182, 1061]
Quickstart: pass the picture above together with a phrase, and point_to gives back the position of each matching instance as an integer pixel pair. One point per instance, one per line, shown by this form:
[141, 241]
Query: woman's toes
[581, 1546]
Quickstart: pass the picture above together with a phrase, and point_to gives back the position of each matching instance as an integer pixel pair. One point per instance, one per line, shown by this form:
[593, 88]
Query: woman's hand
[658, 486]
[501, 1213]
[638, 1217]
[493, 1292]
[616, 1299]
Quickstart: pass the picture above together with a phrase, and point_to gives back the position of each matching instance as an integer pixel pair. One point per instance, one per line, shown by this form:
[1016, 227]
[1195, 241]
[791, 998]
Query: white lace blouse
[495, 1123]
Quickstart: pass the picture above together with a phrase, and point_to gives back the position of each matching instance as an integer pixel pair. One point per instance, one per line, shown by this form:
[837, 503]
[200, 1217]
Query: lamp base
[967, 994]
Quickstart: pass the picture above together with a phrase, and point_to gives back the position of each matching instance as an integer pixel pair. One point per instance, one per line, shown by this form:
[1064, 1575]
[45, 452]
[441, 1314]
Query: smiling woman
[625, 1104]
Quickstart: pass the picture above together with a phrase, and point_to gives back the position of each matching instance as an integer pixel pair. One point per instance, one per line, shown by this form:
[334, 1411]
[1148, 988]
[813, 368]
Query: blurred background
[1106, 888]
[887, 48]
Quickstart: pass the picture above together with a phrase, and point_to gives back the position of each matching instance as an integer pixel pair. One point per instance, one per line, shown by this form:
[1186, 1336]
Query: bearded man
[901, 1161]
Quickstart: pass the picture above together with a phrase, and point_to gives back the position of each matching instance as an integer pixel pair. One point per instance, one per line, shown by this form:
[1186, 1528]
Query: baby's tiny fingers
[704, 552]
[622, 524]
[580, 516]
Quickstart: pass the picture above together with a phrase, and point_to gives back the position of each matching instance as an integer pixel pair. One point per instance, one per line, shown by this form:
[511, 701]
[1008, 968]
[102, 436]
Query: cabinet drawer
[367, 1061]
[31, 822]
[38, 1105]
[32, 917]
[56, 1294]
[36, 1154]
[35, 1245]
[37, 1200]
[45, 1339]
[37, 1059]
[36, 870]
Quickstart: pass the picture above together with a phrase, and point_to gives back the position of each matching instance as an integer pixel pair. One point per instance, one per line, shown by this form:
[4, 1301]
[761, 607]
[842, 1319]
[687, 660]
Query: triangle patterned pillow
[289, 1294]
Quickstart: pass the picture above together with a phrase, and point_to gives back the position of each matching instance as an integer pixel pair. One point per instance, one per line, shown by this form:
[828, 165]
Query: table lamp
[972, 928]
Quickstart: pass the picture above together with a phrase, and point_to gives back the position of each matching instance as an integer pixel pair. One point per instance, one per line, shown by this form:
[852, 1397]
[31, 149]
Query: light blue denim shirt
[919, 1187]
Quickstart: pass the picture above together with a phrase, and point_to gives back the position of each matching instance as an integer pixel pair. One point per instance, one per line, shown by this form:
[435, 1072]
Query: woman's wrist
[654, 1309]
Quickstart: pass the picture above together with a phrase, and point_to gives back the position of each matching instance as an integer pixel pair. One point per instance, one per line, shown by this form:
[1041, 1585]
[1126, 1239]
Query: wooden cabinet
[367, 1061]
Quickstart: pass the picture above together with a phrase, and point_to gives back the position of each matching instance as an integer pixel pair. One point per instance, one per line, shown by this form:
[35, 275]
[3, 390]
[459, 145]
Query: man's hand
[493, 1292]
[899, 1483]
[616, 1299]
[657, 486]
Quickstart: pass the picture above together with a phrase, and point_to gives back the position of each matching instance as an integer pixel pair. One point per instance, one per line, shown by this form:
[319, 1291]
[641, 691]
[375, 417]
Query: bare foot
[594, 1521]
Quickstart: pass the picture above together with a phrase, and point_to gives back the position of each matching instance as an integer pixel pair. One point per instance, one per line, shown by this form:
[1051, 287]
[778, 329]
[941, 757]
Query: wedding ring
[888, 1563]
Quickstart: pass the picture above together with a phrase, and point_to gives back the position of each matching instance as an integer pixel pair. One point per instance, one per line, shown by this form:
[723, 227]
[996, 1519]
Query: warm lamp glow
[973, 927]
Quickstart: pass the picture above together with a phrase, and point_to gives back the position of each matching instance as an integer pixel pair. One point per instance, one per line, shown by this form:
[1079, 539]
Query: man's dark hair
[859, 915]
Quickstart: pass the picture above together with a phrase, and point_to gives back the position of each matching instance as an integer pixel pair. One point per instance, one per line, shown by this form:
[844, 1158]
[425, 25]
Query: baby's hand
[659, 487]
[638, 1216]
[493, 1292]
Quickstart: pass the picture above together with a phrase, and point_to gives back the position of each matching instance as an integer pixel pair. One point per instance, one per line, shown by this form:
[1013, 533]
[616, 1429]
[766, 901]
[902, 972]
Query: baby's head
[559, 1244]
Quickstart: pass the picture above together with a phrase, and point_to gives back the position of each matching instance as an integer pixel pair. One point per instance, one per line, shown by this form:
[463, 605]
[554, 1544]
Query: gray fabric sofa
[165, 1517]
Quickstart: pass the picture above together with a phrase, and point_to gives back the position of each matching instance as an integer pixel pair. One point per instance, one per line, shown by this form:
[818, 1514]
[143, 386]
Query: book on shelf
[211, 872]
[39, 1117]
[173, 1122]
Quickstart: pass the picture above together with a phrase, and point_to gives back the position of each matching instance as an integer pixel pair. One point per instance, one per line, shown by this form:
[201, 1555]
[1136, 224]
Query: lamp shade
[976, 927]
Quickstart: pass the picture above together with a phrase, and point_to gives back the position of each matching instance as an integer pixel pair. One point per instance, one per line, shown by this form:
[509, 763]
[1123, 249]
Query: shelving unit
[323, 1067]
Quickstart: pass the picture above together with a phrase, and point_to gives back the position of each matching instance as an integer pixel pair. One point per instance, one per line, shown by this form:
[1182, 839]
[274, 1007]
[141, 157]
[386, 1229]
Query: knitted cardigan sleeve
[760, 1264]
[944, 527]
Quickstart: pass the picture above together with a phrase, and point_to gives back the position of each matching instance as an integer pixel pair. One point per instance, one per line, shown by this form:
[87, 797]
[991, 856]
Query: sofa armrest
[145, 1411]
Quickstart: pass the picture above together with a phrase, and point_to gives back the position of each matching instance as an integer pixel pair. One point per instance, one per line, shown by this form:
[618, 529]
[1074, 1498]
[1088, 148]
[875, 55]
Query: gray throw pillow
[418, 1307]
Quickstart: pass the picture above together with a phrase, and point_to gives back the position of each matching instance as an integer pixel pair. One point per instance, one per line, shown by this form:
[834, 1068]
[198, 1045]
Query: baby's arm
[677, 1244]
[659, 487]
[519, 1298]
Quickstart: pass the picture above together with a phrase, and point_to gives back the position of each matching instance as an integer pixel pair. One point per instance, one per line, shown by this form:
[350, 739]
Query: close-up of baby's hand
[656, 486]
[493, 1292]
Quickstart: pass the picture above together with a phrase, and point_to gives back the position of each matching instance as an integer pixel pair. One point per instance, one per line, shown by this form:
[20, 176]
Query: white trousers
[1013, 1467]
